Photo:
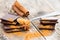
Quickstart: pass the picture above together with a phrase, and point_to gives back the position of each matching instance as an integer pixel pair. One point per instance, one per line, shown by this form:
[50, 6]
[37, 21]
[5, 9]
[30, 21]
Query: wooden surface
[35, 7]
